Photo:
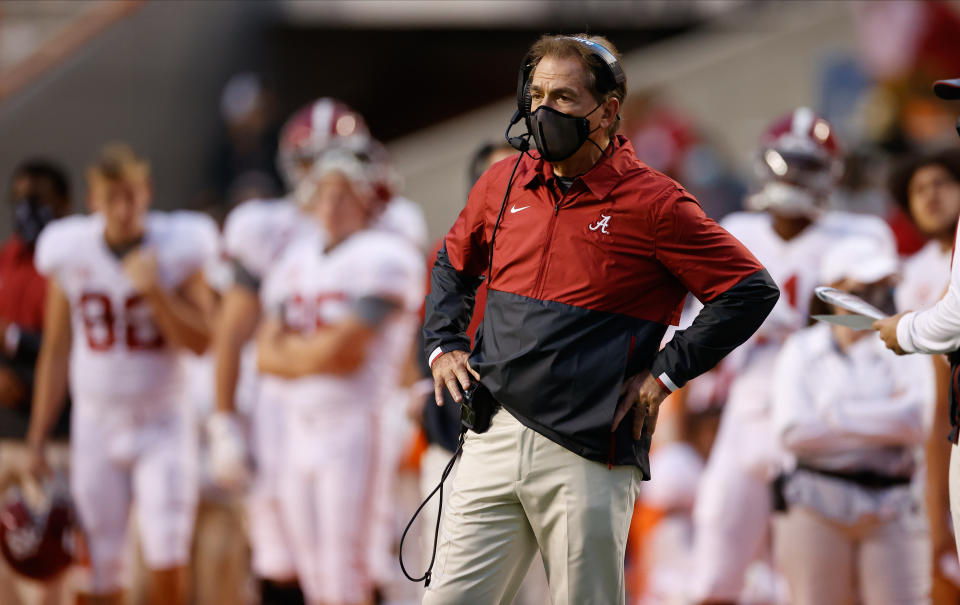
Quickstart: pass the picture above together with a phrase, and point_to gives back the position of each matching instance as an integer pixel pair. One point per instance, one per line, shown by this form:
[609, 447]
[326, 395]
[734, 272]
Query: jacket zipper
[544, 258]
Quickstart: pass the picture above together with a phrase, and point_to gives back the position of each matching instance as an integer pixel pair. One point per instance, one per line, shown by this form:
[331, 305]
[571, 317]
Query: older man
[595, 253]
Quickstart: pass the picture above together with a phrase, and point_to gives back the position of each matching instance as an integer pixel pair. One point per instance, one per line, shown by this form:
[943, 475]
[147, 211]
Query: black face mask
[558, 135]
[29, 219]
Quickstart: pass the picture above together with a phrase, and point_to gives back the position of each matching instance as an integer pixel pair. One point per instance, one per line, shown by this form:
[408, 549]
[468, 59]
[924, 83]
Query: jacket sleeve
[455, 277]
[736, 290]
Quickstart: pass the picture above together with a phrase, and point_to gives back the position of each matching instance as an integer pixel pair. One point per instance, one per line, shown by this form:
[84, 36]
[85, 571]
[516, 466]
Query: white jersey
[795, 264]
[258, 231]
[924, 278]
[313, 288]
[118, 351]
[405, 218]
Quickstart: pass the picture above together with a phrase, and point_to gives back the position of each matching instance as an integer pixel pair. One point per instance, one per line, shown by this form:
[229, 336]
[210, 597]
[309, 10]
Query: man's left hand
[887, 327]
[643, 394]
[140, 267]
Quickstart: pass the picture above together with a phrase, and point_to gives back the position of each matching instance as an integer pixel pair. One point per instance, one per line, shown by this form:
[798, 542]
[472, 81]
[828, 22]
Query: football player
[798, 165]
[125, 294]
[341, 317]
[256, 234]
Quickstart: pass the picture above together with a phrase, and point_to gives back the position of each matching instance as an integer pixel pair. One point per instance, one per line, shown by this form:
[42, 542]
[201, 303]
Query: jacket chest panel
[577, 250]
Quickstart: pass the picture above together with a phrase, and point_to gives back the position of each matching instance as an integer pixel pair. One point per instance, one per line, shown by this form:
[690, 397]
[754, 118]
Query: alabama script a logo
[602, 224]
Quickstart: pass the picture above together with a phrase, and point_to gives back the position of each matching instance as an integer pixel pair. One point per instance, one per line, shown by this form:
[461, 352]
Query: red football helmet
[38, 540]
[363, 160]
[310, 130]
[799, 162]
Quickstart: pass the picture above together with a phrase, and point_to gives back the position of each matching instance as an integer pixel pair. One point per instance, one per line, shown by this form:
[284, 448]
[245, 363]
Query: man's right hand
[452, 370]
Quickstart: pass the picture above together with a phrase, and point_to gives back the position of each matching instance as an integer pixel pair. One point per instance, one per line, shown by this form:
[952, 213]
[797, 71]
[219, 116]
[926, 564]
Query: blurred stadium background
[434, 79]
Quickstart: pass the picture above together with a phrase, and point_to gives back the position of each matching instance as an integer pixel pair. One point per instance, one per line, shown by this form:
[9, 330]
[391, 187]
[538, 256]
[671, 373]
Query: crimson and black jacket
[581, 291]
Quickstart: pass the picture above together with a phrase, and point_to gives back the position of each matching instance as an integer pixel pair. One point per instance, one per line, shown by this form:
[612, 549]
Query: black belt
[863, 478]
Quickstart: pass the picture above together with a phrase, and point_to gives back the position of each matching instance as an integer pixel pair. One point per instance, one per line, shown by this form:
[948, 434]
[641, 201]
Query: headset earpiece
[525, 100]
[523, 86]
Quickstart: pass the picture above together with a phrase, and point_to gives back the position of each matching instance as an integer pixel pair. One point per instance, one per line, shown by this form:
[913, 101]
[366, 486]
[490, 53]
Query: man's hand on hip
[452, 370]
[887, 327]
[643, 394]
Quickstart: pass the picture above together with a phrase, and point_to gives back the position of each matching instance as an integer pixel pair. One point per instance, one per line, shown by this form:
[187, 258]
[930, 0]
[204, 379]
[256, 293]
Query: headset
[607, 79]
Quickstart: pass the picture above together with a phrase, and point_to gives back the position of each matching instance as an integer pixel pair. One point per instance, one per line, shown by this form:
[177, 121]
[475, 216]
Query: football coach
[589, 255]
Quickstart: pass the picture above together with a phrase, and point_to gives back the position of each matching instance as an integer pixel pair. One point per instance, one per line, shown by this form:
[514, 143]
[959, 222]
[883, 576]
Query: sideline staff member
[937, 330]
[593, 258]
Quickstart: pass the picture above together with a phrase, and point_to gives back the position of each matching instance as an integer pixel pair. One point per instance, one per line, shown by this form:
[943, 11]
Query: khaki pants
[870, 562]
[516, 491]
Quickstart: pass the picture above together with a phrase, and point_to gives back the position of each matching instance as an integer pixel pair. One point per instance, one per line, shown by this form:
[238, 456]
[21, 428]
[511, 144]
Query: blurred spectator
[902, 46]
[39, 192]
[245, 166]
[661, 135]
[669, 141]
[486, 156]
[927, 189]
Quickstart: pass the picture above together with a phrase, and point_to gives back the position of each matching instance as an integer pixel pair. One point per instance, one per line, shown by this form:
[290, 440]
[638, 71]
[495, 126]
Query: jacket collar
[600, 179]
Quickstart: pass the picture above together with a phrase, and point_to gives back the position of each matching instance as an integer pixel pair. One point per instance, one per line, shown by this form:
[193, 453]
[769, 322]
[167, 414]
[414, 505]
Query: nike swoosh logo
[514, 209]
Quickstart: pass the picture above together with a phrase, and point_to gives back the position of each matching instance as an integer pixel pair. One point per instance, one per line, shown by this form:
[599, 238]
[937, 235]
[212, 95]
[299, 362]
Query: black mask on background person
[29, 219]
[558, 135]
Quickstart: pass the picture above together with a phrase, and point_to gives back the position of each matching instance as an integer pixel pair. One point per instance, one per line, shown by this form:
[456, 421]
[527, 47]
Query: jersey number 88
[99, 323]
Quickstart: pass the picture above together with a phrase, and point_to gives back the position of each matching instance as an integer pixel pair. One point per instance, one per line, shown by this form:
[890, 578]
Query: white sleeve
[255, 233]
[404, 217]
[936, 330]
[195, 246]
[392, 273]
[53, 246]
[45, 254]
[794, 422]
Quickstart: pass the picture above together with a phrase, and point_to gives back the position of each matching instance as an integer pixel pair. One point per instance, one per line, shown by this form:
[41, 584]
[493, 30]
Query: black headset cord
[425, 578]
[503, 206]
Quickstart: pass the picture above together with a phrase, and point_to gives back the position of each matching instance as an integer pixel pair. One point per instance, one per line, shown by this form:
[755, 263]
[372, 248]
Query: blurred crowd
[810, 467]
